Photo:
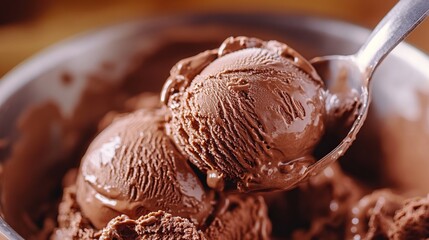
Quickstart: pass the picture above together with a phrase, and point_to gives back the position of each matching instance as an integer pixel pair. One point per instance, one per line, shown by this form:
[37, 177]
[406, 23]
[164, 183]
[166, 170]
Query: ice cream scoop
[249, 114]
[133, 168]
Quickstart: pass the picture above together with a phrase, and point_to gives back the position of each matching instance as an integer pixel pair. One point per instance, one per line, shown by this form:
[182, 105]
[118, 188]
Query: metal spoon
[354, 72]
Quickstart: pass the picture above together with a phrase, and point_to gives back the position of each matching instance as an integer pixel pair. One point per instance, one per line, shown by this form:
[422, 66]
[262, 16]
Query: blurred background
[27, 26]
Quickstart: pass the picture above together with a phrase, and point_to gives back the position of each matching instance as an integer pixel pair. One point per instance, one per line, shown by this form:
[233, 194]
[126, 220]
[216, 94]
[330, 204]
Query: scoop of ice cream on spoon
[250, 113]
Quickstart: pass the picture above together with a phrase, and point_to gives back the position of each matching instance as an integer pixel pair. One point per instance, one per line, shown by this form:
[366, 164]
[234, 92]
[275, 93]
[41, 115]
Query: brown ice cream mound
[170, 199]
[249, 113]
[243, 218]
[332, 205]
[412, 220]
[71, 223]
[240, 218]
[407, 219]
[371, 216]
[133, 168]
[317, 209]
[155, 225]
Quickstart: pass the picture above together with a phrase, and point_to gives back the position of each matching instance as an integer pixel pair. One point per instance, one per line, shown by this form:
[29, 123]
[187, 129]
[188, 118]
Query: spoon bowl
[347, 86]
[347, 78]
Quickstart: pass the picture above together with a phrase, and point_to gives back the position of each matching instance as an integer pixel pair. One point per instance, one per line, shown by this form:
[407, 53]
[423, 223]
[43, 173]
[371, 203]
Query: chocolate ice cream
[370, 217]
[245, 116]
[388, 215]
[236, 218]
[133, 168]
[317, 209]
[334, 206]
[412, 220]
[156, 225]
[72, 224]
[242, 219]
[134, 184]
[248, 113]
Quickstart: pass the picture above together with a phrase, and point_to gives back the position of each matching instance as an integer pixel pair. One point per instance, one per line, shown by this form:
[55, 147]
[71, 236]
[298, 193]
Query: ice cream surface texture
[133, 168]
[248, 114]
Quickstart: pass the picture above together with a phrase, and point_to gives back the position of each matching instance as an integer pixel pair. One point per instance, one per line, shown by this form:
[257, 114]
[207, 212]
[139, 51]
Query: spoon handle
[394, 27]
